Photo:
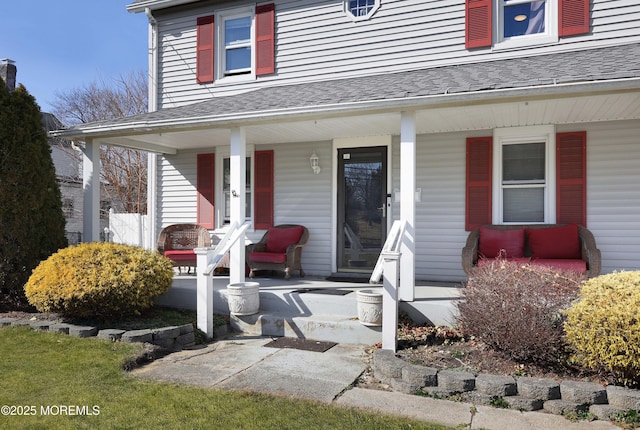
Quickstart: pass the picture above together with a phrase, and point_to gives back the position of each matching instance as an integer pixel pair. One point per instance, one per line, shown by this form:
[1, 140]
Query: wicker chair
[177, 242]
[589, 251]
[279, 249]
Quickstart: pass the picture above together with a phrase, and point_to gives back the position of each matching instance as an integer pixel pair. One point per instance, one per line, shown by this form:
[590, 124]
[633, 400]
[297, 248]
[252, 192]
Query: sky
[60, 45]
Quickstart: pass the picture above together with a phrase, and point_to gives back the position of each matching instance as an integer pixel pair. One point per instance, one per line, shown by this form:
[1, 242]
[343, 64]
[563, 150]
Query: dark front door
[362, 207]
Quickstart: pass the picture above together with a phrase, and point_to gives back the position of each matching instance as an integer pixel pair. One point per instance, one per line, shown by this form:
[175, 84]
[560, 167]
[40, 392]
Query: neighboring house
[344, 115]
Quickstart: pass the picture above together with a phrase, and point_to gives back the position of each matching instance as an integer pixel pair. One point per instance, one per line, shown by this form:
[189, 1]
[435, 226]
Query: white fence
[131, 229]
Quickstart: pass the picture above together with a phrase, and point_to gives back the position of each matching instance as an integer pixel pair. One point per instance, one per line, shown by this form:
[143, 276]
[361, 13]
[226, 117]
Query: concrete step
[328, 328]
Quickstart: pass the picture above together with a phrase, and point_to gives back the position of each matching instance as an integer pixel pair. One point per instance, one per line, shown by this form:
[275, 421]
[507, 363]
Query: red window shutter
[571, 178]
[478, 23]
[205, 185]
[478, 186]
[263, 190]
[204, 49]
[265, 39]
[573, 17]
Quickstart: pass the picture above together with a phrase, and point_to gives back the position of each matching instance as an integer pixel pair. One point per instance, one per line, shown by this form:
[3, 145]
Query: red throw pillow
[280, 238]
[501, 243]
[554, 242]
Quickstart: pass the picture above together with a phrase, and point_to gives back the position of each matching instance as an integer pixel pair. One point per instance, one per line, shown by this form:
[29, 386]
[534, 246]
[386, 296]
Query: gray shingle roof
[610, 63]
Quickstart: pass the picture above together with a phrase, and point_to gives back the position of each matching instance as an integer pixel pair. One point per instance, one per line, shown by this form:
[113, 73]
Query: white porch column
[152, 199]
[238, 185]
[390, 300]
[408, 205]
[91, 192]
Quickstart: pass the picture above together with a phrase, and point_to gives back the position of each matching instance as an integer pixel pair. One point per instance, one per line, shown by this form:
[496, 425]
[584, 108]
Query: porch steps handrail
[391, 244]
[227, 241]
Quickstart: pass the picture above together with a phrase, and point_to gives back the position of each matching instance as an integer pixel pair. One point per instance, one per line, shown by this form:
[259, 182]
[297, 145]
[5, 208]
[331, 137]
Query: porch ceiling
[523, 111]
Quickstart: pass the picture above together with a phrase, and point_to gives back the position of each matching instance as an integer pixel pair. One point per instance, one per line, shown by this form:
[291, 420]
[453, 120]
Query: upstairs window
[361, 9]
[236, 44]
[514, 23]
[520, 18]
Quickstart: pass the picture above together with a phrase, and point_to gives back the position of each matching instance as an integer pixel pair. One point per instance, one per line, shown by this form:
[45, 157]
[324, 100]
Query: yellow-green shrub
[99, 279]
[603, 325]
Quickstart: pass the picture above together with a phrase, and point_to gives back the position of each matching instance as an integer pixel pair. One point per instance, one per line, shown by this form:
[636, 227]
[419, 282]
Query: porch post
[390, 277]
[407, 205]
[91, 192]
[238, 186]
[204, 292]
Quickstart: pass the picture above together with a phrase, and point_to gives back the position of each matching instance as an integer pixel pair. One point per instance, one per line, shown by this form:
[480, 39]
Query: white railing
[207, 260]
[391, 244]
[388, 268]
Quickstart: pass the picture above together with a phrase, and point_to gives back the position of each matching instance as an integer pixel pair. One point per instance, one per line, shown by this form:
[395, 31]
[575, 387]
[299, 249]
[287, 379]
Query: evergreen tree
[31, 219]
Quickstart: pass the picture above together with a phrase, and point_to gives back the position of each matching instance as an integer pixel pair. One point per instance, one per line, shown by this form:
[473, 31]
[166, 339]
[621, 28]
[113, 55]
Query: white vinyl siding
[613, 195]
[315, 40]
[301, 197]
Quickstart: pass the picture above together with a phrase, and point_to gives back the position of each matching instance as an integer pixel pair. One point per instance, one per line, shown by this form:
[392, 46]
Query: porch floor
[310, 308]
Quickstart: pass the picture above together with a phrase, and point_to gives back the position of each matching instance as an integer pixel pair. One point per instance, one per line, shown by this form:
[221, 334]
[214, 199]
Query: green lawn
[51, 375]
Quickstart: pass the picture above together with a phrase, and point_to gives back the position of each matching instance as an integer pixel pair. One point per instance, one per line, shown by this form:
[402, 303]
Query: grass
[47, 370]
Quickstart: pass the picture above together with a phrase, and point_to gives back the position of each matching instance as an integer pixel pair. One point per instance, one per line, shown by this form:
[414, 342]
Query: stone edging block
[172, 337]
[523, 393]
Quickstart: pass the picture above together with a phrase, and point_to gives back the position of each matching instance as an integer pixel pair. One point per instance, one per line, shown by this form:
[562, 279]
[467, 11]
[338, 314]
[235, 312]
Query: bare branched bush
[517, 310]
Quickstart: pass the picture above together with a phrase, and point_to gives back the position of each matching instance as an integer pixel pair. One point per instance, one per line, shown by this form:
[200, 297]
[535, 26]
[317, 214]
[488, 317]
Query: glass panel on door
[362, 207]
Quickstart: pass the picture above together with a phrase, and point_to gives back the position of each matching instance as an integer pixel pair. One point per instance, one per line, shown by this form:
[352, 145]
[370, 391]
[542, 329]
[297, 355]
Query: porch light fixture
[315, 163]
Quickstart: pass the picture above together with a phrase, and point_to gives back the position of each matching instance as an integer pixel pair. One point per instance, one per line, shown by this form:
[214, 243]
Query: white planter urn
[243, 298]
[369, 307]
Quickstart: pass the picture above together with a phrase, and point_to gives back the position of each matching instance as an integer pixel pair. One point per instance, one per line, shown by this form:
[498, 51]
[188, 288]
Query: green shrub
[603, 325]
[516, 310]
[99, 279]
[31, 218]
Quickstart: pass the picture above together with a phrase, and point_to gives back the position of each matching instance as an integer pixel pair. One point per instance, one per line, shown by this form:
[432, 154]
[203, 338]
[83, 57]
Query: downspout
[152, 160]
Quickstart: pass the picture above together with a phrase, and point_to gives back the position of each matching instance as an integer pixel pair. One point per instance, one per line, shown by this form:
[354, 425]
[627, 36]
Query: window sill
[525, 42]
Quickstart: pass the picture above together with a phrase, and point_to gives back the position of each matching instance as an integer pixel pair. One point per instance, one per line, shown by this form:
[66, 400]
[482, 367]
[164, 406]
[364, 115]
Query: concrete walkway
[245, 364]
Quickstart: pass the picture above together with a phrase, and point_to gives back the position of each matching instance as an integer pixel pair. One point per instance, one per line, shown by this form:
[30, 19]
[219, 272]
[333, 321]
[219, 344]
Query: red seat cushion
[493, 242]
[268, 257]
[486, 262]
[278, 239]
[554, 242]
[180, 254]
[567, 265]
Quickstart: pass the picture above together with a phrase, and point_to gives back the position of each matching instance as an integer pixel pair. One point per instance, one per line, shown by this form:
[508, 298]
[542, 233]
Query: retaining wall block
[420, 376]
[166, 333]
[82, 331]
[450, 380]
[39, 325]
[583, 392]
[138, 336]
[520, 403]
[5, 322]
[186, 328]
[186, 339]
[59, 328]
[496, 385]
[539, 388]
[387, 365]
[111, 334]
[563, 407]
[623, 398]
[604, 412]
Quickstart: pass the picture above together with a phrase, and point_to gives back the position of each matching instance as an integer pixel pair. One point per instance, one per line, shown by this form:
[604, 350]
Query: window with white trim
[361, 9]
[226, 190]
[524, 186]
[236, 42]
[523, 22]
